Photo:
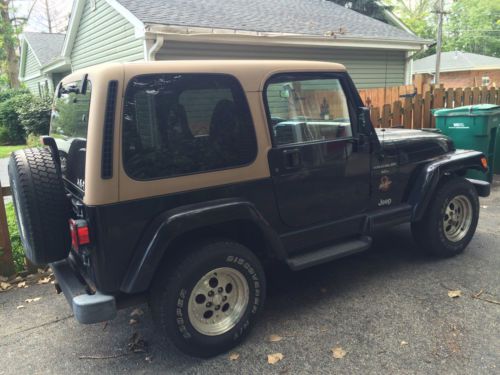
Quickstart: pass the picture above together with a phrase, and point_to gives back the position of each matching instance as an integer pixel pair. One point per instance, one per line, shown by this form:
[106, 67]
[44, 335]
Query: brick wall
[469, 78]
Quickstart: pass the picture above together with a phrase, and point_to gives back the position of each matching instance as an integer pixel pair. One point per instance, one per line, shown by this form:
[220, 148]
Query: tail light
[484, 162]
[79, 233]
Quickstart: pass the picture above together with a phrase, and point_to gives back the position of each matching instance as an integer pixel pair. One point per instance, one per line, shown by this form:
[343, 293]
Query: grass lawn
[6, 150]
[15, 240]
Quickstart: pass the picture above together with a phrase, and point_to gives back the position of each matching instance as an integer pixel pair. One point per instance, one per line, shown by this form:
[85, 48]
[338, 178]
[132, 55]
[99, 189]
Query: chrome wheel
[457, 218]
[218, 301]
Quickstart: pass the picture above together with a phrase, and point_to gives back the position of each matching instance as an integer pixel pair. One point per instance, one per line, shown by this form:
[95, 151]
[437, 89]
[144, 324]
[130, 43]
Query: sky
[59, 10]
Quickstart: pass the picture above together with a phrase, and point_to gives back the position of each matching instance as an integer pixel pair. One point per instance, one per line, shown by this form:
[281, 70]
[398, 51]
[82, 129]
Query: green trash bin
[474, 127]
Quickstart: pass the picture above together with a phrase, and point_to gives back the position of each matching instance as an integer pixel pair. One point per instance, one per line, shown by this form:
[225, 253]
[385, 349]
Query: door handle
[292, 158]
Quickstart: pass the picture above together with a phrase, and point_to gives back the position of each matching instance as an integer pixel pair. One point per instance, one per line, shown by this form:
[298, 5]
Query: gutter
[151, 52]
[257, 37]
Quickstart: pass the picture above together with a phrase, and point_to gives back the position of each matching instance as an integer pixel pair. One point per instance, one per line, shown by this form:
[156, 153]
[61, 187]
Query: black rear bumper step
[329, 253]
[87, 308]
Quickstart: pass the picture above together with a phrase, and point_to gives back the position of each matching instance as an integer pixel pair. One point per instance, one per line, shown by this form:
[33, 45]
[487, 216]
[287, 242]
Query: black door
[319, 166]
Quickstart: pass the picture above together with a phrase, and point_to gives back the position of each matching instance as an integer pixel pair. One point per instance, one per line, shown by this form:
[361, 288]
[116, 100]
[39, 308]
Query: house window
[485, 81]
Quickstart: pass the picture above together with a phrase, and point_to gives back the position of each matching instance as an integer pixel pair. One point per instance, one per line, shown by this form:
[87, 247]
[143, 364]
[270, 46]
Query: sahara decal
[385, 183]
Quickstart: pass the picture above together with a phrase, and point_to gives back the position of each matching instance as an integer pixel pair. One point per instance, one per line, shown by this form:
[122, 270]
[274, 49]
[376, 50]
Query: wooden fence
[409, 107]
[7, 267]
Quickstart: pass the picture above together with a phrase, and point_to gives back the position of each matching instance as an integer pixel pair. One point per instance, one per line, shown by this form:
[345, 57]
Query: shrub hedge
[22, 113]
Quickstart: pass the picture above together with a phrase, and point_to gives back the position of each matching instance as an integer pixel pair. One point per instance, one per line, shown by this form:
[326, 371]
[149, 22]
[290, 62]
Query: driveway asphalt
[388, 308]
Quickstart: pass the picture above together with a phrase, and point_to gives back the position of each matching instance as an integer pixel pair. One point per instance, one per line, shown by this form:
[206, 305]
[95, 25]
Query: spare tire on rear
[42, 208]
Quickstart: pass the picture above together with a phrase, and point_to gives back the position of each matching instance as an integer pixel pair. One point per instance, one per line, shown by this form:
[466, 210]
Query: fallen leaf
[136, 312]
[454, 293]
[41, 270]
[45, 280]
[20, 307]
[148, 358]
[29, 300]
[338, 352]
[17, 279]
[234, 356]
[403, 343]
[274, 358]
[22, 284]
[274, 338]
[133, 321]
[5, 286]
[3, 279]
[137, 344]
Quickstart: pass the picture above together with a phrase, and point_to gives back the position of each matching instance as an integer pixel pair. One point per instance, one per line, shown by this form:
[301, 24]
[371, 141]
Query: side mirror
[364, 120]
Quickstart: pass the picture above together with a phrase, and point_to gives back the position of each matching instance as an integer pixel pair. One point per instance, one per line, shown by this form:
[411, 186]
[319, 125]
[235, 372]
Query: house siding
[104, 35]
[32, 67]
[367, 67]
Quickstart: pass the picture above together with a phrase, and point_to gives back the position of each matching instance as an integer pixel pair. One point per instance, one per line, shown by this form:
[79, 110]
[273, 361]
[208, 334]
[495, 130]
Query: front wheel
[208, 301]
[450, 220]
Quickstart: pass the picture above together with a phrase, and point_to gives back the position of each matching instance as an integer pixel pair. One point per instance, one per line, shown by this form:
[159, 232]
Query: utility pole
[440, 12]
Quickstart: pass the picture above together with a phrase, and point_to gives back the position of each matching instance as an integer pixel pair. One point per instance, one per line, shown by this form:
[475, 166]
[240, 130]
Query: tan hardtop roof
[251, 73]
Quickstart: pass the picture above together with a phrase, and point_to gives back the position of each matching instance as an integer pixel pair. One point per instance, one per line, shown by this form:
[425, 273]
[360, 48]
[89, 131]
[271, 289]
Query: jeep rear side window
[176, 124]
[307, 108]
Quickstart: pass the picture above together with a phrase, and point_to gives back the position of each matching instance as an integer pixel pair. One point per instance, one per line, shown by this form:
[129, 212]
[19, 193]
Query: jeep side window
[176, 124]
[304, 108]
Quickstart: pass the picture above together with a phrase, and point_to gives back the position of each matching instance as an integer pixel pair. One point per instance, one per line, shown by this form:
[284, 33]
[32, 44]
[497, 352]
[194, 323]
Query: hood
[415, 145]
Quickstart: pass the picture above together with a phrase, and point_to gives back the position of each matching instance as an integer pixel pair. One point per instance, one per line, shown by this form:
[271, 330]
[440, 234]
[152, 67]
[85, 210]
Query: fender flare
[428, 178]
[170, 224]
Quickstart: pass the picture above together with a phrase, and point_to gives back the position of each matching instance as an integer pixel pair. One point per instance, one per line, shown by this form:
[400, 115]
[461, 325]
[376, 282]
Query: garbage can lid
[476, 109]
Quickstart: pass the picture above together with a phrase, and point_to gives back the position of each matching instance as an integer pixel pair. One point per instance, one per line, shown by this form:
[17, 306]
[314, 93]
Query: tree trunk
[9, 44]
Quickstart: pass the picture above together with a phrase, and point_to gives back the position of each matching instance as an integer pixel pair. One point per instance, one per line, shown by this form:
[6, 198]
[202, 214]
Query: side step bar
[329, 253]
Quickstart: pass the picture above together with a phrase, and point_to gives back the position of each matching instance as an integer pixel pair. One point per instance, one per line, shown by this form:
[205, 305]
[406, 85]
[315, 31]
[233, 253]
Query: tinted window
[307, 109]
[176, 124]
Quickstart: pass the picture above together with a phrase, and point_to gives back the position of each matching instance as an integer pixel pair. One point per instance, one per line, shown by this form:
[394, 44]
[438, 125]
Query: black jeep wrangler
[177, 181]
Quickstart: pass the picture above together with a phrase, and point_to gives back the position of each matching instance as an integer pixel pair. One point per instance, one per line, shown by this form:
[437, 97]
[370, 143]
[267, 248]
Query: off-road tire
[173, 285]
[42, 208]
[429, 232]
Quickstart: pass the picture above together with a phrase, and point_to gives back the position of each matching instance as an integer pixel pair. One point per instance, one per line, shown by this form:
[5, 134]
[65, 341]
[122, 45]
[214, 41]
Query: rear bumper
[87, 308]
[483, 188]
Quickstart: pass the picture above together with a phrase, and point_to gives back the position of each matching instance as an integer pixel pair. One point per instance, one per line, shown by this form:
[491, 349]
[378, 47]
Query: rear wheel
[451, 219]
[42, 209]
[207, 302]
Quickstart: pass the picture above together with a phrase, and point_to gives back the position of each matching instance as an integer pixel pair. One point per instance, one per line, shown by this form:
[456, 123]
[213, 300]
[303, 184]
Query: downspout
[155, 48]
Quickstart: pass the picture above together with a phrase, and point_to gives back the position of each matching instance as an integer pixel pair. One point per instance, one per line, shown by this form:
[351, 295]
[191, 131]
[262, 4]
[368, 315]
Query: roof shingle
[305, 17]
[455, 60]
[46, 47]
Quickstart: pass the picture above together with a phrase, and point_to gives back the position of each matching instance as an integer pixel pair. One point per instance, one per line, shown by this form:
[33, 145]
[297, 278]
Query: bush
[22, 113]
[9, 117]
[35, 118]
[9, 93]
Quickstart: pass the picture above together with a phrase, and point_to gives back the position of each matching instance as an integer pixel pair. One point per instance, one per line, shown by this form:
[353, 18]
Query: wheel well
[244, 232]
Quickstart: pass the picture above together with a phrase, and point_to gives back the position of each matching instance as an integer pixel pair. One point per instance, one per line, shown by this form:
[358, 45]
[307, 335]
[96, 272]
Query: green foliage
[15, 239]
[9, 93]
[474, 26]
[22, 113]
[33, 141]
[9, 117]
[5, 151]
[35, 118]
